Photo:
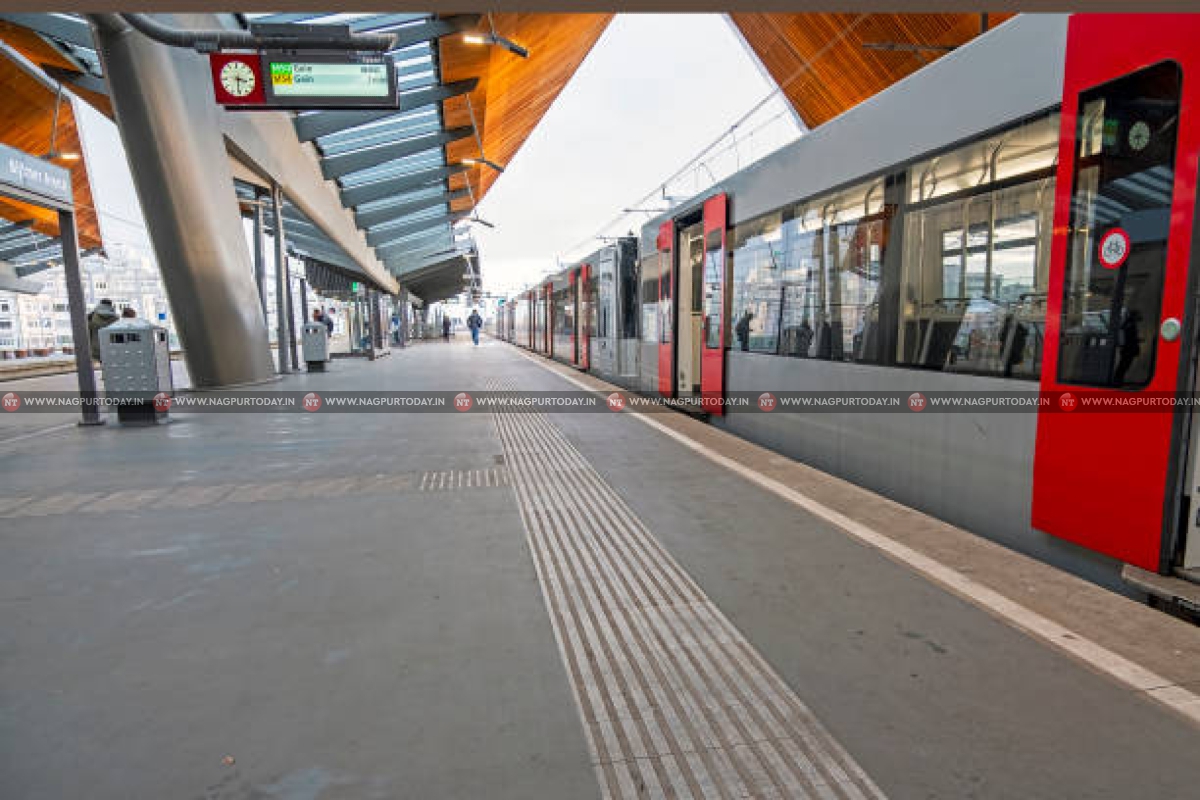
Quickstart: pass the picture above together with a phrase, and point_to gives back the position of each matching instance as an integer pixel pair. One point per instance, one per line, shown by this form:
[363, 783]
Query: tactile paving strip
[675, 701]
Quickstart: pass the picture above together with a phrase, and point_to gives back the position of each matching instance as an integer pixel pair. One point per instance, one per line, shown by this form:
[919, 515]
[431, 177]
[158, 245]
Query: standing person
[446, 328]
[327, 318]
[743, 329]
[475, 322]
[101, 316]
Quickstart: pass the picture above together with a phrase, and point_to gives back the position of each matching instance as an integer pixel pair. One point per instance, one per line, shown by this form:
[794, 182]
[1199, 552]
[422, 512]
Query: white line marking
[1116, 666]
[32, 434]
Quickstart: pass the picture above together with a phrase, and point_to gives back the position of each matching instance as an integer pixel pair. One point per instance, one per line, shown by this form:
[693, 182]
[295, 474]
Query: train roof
[1012, 72]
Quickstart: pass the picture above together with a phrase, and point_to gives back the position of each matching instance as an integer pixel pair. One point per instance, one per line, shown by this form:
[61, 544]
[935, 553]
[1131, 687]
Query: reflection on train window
[627, 277]
[600, 287]
[807, 280]
[649, 296]
[714, 286]
[973, 289]
[1022, 150]
[757, 277]
[665, 285]
[1120, 220]
[587, 302]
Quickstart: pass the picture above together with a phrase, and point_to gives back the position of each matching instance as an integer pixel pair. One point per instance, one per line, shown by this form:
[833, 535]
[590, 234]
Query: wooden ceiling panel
[37, 50]
[513, 93]
[26, 122]
[820, 62]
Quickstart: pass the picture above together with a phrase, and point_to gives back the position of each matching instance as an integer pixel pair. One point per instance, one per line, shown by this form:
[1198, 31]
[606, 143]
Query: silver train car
[918, 242]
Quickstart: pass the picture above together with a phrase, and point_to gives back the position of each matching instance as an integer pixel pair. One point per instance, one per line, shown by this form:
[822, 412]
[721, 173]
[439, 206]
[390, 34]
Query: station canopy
[412, 177]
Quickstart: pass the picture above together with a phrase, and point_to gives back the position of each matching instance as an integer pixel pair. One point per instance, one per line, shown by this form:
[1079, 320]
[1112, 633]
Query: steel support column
[80, 336]
[163, 105]
[281, 306]
[260, 256]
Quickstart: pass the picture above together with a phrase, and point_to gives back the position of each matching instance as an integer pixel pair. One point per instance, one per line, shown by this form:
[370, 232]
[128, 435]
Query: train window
[804, 326]
[1021, 150]
[601, 289]
[627, 278]
[856, 251]
[807, 284]
[1120, 221]
[973, 284]
[714, 288]
[757, 277]
[649, 273]
[665, 285]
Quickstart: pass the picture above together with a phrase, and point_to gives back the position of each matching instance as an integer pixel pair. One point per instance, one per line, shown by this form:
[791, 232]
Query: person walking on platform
[475, 322]
[446, 328]
[101, 316]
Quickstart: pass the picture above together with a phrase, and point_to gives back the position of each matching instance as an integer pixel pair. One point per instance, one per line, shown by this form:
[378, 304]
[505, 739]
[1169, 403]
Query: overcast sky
[654, 91]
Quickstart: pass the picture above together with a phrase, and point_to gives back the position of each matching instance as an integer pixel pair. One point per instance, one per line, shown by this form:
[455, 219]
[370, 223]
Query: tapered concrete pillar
[164, 108]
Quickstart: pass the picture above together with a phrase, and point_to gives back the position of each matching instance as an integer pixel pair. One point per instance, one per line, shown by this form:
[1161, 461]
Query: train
[1017, 216]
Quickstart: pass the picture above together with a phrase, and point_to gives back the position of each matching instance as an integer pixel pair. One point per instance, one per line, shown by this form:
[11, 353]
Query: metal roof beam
[426, 261]
[385, 236]
[409, 165]
[322, 123]
[434, 29]
[288, 19]
[383, 22]
[415, 244]
[377, 216]
[73, 32]
[428, 253]
[381, 134]
[11, 227]
[445, 264]
[19, 248]
[358, 160]
[80, 80]
[381, 189]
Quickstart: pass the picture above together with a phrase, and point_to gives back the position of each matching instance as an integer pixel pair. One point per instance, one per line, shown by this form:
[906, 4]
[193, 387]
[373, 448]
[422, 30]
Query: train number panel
[1125, 207]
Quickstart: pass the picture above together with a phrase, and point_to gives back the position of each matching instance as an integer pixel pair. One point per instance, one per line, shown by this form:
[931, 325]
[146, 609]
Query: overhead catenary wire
[708, 152]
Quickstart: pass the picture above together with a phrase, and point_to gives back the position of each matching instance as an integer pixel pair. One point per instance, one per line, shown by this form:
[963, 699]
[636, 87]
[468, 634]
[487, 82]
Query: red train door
[583, 313]
[712, 356]
[1119, 321]
[666, 328]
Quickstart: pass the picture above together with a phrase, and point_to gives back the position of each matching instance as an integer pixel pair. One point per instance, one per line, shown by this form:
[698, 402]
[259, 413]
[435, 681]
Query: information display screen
[308, 79]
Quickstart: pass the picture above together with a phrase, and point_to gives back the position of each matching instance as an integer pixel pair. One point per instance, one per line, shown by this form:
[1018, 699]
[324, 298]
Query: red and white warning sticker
[1114, 248]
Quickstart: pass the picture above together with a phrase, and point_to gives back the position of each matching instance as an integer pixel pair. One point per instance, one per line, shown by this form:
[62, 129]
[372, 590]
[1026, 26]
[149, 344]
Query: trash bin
[315, 342]
[136, 357]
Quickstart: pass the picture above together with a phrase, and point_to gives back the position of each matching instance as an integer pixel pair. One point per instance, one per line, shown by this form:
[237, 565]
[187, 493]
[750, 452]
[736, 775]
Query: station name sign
[276, 81]
[23, 172]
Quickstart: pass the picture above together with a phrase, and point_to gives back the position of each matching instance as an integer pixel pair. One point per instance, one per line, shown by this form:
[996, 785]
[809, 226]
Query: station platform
[514, 604]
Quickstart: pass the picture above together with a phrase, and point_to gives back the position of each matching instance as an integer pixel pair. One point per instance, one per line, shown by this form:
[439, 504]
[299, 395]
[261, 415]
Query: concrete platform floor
[481, 605]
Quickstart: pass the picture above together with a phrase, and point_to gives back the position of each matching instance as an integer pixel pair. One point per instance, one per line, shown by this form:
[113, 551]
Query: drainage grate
[456, 479]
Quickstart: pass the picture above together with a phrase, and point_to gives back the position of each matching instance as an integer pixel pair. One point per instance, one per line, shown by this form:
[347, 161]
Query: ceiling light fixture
[474, 162]
[491, 37]
[53, 152]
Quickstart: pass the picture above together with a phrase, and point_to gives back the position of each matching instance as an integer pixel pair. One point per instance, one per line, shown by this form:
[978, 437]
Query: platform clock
[238, 78]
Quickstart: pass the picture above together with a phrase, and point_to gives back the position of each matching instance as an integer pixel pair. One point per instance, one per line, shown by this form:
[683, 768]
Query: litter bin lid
[135, 324]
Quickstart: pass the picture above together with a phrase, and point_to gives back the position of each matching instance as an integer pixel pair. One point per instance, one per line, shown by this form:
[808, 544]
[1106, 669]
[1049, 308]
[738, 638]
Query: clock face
[238, 78]
[1139, 135]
